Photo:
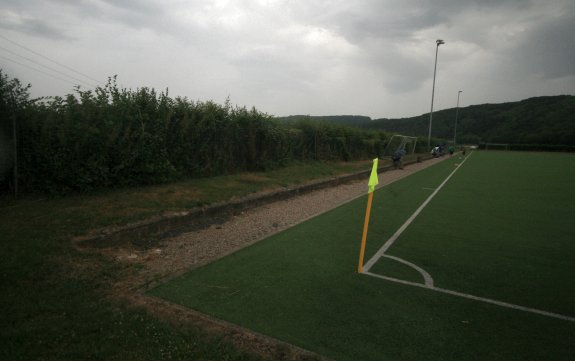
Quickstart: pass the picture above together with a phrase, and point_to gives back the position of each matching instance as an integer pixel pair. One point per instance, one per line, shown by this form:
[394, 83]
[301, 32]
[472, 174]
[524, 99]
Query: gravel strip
[175, 255]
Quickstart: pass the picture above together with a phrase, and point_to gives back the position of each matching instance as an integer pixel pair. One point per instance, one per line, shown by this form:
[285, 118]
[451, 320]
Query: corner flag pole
[373, 181]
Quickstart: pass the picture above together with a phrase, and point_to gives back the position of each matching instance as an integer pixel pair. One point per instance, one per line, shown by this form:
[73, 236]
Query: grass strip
[54, 300]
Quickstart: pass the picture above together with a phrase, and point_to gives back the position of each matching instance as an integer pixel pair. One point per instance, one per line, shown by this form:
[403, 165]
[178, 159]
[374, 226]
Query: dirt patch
[161, 248]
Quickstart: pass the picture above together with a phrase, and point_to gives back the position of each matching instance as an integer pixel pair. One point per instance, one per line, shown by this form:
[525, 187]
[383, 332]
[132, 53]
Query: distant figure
[435, 152]
[396, 157]
[463, 150]
[451, 149]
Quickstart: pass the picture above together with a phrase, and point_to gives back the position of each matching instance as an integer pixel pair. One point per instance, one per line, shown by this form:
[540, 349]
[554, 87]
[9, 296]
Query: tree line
[112, 137]
[546, 120]
[538, 123]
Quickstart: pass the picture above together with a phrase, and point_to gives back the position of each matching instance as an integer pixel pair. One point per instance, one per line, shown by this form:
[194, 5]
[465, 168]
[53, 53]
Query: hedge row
[115, 137]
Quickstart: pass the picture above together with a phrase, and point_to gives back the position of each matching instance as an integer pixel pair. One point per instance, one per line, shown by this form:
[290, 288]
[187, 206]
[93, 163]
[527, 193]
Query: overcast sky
[286, 57]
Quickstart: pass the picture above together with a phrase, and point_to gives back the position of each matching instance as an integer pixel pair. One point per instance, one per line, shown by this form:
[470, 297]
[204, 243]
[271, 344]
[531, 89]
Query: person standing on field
[396, 157]
[451, 149]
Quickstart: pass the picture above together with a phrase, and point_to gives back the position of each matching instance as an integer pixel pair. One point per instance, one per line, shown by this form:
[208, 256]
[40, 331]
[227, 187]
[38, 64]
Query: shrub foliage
[113, 137]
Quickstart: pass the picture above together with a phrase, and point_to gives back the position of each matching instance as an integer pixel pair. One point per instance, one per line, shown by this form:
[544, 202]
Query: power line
[47, 67]
[51, 60]
[38, 70]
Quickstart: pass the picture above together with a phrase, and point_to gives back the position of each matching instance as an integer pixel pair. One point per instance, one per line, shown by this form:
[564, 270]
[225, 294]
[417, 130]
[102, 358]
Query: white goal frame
[406, 142]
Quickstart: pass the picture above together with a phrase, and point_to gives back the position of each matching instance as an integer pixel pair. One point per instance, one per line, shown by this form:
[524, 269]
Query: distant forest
[548, 120]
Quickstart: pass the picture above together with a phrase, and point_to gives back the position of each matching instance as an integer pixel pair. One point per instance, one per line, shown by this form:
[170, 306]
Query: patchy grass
[53, 301]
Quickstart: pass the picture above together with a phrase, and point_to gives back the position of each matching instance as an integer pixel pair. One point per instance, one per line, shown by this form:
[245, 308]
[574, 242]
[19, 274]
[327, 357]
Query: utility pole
[456, 114]
[438, 42]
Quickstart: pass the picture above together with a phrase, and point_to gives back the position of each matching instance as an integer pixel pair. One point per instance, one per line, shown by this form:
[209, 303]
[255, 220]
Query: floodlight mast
[438, 42]
[456, 114]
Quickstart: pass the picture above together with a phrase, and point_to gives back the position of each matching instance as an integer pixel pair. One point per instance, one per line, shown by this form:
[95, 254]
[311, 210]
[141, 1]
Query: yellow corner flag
[373, 181]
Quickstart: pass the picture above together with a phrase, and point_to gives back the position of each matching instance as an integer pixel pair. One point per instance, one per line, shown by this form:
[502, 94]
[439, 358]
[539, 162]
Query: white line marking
[426, 276]
[396, 235]
[397, 280]
[475, 298]
[380, 185]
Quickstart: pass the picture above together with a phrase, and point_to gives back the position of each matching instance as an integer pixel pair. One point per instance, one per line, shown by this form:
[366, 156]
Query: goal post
[400, 142]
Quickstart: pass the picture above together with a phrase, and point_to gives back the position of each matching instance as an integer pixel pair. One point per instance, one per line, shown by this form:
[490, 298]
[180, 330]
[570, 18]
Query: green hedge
[115, 137]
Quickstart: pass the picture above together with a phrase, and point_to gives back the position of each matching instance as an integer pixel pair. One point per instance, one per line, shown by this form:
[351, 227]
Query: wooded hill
[548, 120]
[353, 120]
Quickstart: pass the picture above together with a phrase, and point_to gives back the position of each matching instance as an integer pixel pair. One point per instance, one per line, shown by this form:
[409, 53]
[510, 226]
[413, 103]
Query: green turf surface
[502, 228]
[499, 229]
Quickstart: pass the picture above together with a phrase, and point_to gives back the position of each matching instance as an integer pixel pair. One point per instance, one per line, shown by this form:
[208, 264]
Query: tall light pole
[438, 42]
[456, 114]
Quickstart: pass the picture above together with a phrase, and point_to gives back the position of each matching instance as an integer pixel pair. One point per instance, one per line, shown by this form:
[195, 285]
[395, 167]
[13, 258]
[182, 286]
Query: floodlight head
[439, 42]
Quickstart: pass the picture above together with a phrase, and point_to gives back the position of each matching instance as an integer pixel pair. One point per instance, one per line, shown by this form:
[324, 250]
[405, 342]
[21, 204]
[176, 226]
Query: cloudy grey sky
[317, 57]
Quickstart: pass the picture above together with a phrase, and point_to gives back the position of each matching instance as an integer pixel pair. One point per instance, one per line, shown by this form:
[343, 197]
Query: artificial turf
[301, 286]
[502, 229]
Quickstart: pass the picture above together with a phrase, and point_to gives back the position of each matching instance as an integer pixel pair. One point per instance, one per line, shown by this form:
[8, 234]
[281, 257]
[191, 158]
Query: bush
[115, 137]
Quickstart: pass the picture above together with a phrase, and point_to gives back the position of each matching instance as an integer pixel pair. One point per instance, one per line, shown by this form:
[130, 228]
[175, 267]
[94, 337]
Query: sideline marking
[396, 235]
[380, 185]
[475, 298]
[428, 280]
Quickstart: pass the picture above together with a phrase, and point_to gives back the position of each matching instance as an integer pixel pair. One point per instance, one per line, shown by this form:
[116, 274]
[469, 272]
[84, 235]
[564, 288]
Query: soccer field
[483, 271]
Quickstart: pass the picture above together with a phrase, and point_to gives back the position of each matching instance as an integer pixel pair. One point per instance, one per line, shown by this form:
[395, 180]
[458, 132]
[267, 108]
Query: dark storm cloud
[141, 6]
[398, 19]
[384, 29]
[548, 49]
[14, 16]
[253, 50]
[36, 27]
[138, 14]
[543, 43]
